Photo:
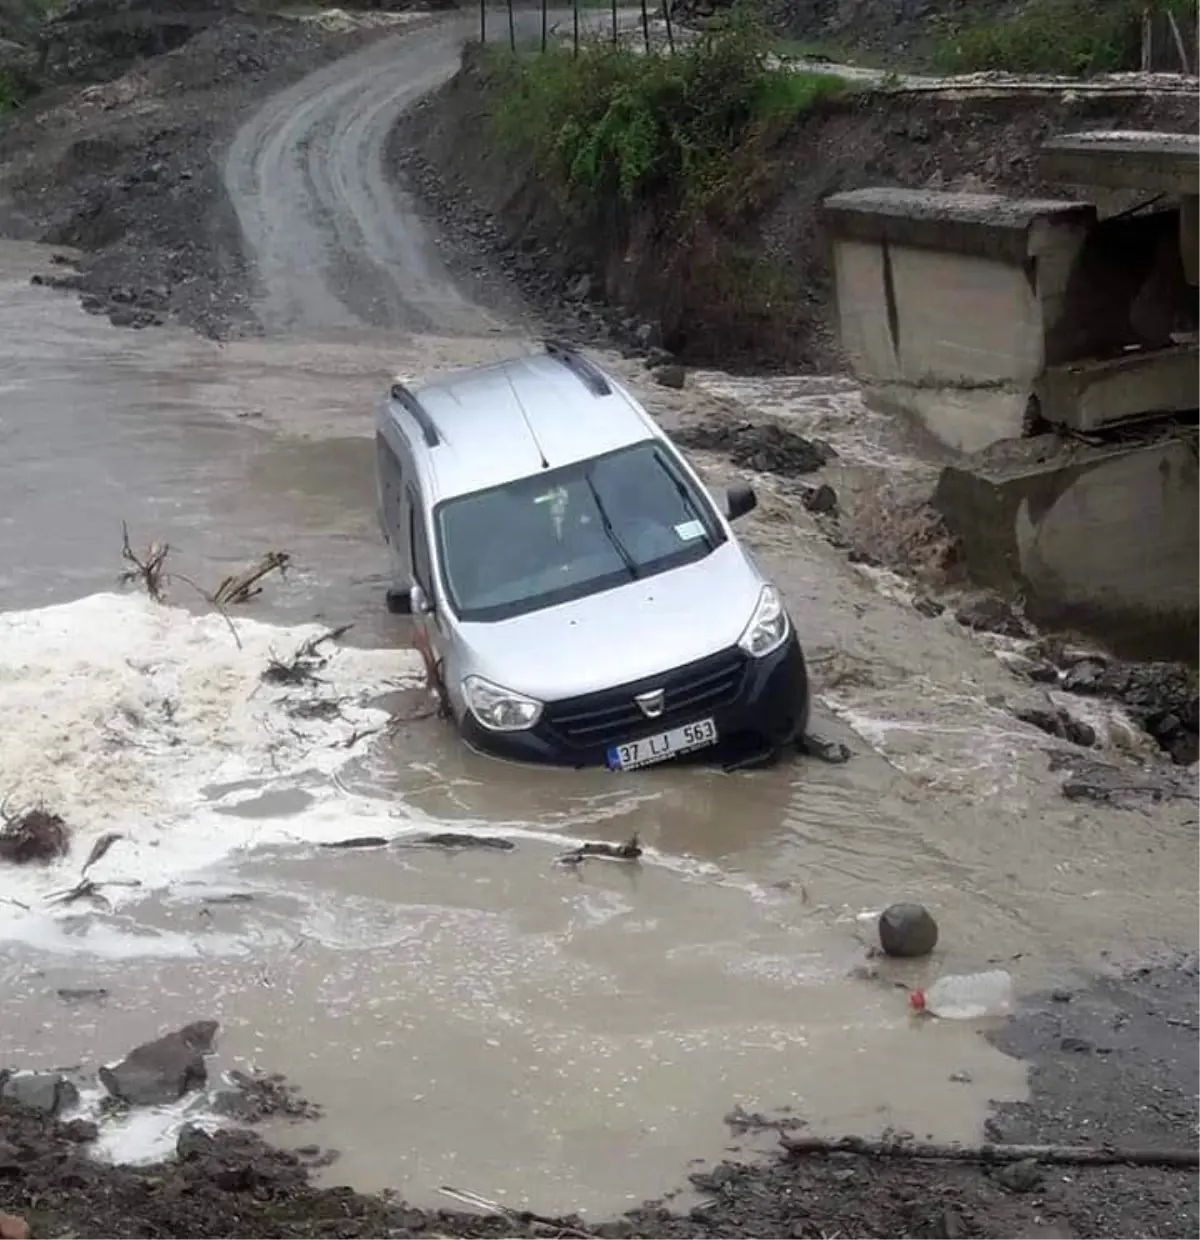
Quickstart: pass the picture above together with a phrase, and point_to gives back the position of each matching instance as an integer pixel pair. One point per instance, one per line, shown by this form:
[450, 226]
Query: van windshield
[570, 532]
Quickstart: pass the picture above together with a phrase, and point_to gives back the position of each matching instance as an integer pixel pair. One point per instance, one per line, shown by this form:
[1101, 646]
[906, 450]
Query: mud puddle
[605, 1022]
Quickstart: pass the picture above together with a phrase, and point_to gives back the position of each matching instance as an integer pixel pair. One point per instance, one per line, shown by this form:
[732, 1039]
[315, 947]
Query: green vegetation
[689, 129]
[1070, 37]
[10, 93]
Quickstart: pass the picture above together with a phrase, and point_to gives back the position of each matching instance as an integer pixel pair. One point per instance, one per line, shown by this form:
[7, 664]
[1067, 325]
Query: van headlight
[500, 709]
[768, 627]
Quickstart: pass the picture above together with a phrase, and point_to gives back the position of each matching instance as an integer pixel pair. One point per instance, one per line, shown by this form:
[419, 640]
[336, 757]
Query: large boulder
[165, 1069]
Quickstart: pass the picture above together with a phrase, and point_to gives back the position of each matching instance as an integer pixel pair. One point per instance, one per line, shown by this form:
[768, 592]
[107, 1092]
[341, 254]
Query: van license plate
[650, 749]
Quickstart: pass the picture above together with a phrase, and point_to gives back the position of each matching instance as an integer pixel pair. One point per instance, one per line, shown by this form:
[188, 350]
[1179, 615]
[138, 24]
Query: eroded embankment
[748, 278]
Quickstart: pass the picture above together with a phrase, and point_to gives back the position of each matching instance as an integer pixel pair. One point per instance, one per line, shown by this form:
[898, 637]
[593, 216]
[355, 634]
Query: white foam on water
[142, 1135]
[151, 722]
[122, 715]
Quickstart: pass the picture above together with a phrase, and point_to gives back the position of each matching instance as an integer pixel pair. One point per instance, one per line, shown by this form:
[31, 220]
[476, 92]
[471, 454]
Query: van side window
[419, 547]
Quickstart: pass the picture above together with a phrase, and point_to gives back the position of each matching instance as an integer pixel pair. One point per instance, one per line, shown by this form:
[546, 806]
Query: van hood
[636, 630]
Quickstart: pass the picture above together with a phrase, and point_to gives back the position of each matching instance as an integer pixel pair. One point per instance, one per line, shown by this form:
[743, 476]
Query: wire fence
[650, 12]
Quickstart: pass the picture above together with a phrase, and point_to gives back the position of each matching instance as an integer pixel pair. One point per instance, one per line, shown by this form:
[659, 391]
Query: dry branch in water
[149, 568]
[1061, 1155]
[305, 663]
[34, 835]
[242, 587]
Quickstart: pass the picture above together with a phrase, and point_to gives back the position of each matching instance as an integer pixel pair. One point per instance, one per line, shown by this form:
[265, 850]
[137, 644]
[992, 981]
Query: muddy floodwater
[484, 1017]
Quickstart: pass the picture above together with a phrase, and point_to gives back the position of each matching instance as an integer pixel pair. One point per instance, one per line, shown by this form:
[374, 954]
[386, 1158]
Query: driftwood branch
[149, 568]
[1061, 1155]
[305, 663]
[243, 586]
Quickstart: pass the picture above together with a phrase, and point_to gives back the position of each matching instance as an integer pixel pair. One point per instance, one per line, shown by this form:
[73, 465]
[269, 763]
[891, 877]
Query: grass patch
[1077, 38]
[616, 124]
[10, 91]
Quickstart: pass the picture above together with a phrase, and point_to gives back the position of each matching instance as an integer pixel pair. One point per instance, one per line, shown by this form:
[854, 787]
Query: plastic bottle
[966, 996]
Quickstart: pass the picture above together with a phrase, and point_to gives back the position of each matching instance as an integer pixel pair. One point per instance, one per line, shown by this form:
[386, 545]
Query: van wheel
[399, 602]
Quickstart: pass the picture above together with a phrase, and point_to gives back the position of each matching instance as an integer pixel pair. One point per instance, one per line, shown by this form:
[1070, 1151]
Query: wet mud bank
[490, 199]
[119, 155]
[1111, 1062]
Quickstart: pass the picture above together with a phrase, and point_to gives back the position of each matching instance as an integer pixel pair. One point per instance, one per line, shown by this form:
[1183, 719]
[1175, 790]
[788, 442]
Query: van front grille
[612, 716]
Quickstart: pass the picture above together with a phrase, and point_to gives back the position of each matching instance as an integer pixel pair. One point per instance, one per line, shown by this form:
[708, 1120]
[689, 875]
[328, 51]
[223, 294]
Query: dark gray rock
[989, 614]
[165, 1069]
[928, 606]
[821, 499]
[670, 376]
[1019, 1177]
[907, 930]
[1057, 722]
[49, 1092]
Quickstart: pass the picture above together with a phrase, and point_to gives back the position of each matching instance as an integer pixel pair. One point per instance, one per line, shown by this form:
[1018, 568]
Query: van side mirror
[399, 602]
[410, 602]
[418, 601]
[739, 500]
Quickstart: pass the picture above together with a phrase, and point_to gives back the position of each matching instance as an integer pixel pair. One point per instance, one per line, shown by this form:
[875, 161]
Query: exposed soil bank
[125, 169]
[1114, 1062]
[695, 300]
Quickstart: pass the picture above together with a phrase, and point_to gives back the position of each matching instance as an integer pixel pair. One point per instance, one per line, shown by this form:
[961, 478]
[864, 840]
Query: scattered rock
[49, 1092]
[1061, 996]
[763, 446]
[33, 836]
[928, 606]
[1161, 698]
[821, 499]
[1055, 721]
[165, 1069]
[832, 752]
[1019, 1177]
[257, 1096]
[670, 376]
[80, 1131]
[989, 614]
[581, 290]
[1075, 1046]
[1089, 779]
[907, 930]
[358, 841]
[82, 994]
[960, 1078]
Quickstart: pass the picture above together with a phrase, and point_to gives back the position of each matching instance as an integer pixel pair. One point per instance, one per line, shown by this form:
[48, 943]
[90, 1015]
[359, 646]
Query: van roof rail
[404, 397]
[587, 372]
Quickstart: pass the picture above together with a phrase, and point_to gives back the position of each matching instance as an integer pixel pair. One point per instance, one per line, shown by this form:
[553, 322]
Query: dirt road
[337, 245]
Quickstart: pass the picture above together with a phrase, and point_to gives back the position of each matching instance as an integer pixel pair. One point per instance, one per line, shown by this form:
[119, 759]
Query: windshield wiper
[607, 526]
[686, 496]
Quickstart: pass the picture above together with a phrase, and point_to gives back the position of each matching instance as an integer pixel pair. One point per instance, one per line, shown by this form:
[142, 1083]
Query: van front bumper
[759, 706]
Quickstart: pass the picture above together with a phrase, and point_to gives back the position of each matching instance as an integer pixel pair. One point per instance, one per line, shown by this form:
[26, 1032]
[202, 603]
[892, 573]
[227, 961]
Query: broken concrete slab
[1155, 163]
[991, 226]
[1160, 163]
[949, 304]
[1099, 539]
[1092, 394]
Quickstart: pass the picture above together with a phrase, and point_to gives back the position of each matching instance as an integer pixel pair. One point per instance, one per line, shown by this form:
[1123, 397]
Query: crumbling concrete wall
[1103, 539]
[950, 305]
